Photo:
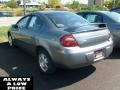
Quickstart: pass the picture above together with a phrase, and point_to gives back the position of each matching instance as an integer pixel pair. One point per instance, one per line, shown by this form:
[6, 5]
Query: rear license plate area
[98, 54]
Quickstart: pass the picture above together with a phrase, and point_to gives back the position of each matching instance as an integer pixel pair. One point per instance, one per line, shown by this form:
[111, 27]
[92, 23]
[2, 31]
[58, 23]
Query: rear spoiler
[100, 25]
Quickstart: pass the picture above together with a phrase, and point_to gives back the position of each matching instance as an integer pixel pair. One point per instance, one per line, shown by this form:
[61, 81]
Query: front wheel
[45, 62]
[10, 40]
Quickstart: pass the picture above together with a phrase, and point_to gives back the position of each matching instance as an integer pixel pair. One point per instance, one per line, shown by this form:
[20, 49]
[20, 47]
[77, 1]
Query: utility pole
[114, 3]
[94, 2]
[24, 6]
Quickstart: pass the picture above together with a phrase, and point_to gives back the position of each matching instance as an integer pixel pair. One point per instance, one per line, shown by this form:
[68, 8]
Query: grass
[3, 33]
[18, 11]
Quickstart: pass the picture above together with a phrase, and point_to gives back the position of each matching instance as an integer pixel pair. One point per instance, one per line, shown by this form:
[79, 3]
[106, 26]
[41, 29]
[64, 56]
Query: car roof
[95, 11]
[115, 8]
[49, 12]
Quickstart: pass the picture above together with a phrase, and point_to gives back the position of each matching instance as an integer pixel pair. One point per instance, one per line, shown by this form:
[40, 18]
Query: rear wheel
[45, 62]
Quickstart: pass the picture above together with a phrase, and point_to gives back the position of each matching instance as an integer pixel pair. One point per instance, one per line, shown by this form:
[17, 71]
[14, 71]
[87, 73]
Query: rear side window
[35, 23]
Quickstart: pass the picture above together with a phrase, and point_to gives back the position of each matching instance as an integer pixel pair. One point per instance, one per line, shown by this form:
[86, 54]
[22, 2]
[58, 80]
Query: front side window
[35, 23]
[23, 23]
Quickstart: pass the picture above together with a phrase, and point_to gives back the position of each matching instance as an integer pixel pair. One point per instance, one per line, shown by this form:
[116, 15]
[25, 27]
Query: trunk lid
[89, 35]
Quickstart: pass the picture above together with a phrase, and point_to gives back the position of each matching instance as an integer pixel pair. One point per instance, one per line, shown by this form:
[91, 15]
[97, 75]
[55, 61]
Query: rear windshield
[65, 19]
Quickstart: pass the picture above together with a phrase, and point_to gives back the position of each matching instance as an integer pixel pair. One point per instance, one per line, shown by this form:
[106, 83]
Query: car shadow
[18, 63]
[115, 54]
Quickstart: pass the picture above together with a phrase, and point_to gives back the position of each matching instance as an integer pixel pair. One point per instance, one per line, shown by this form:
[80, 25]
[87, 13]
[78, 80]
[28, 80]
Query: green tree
[75, 5]
[109, 4]
[12, 4]
[117, 3]
[54, 3]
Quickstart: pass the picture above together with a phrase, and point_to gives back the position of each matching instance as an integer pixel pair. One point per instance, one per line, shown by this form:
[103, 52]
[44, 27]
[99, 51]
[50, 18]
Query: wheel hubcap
[10, 40]
[43, 61]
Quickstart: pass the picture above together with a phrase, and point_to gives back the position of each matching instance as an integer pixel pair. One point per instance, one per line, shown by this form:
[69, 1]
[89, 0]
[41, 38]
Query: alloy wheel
[43, 62]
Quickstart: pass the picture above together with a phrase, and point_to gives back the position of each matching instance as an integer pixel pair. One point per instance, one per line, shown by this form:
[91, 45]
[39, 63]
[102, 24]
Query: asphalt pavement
[104, 75]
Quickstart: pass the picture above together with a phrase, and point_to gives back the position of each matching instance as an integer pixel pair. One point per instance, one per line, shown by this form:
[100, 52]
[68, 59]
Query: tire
[10, 41]
[45, 63]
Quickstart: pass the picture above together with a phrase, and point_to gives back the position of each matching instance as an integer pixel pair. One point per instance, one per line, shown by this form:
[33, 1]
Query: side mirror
[15, 26]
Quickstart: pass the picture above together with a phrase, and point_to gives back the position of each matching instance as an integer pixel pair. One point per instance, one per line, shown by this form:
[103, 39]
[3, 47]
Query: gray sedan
[116, 10]
[61, 39]
[112, 19]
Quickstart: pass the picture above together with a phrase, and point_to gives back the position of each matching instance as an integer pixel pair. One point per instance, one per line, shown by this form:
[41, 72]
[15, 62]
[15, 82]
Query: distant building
[86, 2]
[36, 3]
[31, 3]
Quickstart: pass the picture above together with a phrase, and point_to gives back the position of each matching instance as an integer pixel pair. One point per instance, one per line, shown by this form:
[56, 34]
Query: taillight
[68, 41]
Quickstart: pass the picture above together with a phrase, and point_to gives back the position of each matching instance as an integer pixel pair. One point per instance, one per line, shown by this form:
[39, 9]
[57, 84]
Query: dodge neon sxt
[60, 38]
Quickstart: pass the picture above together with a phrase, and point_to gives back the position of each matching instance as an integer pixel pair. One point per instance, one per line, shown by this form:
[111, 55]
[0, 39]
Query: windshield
[115, 16]
[65, 19]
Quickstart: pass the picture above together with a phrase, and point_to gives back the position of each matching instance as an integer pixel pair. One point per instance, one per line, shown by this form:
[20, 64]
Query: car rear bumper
[76, 57]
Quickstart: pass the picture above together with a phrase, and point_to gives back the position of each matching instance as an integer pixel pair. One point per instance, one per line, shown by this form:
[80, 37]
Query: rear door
[32, 32]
